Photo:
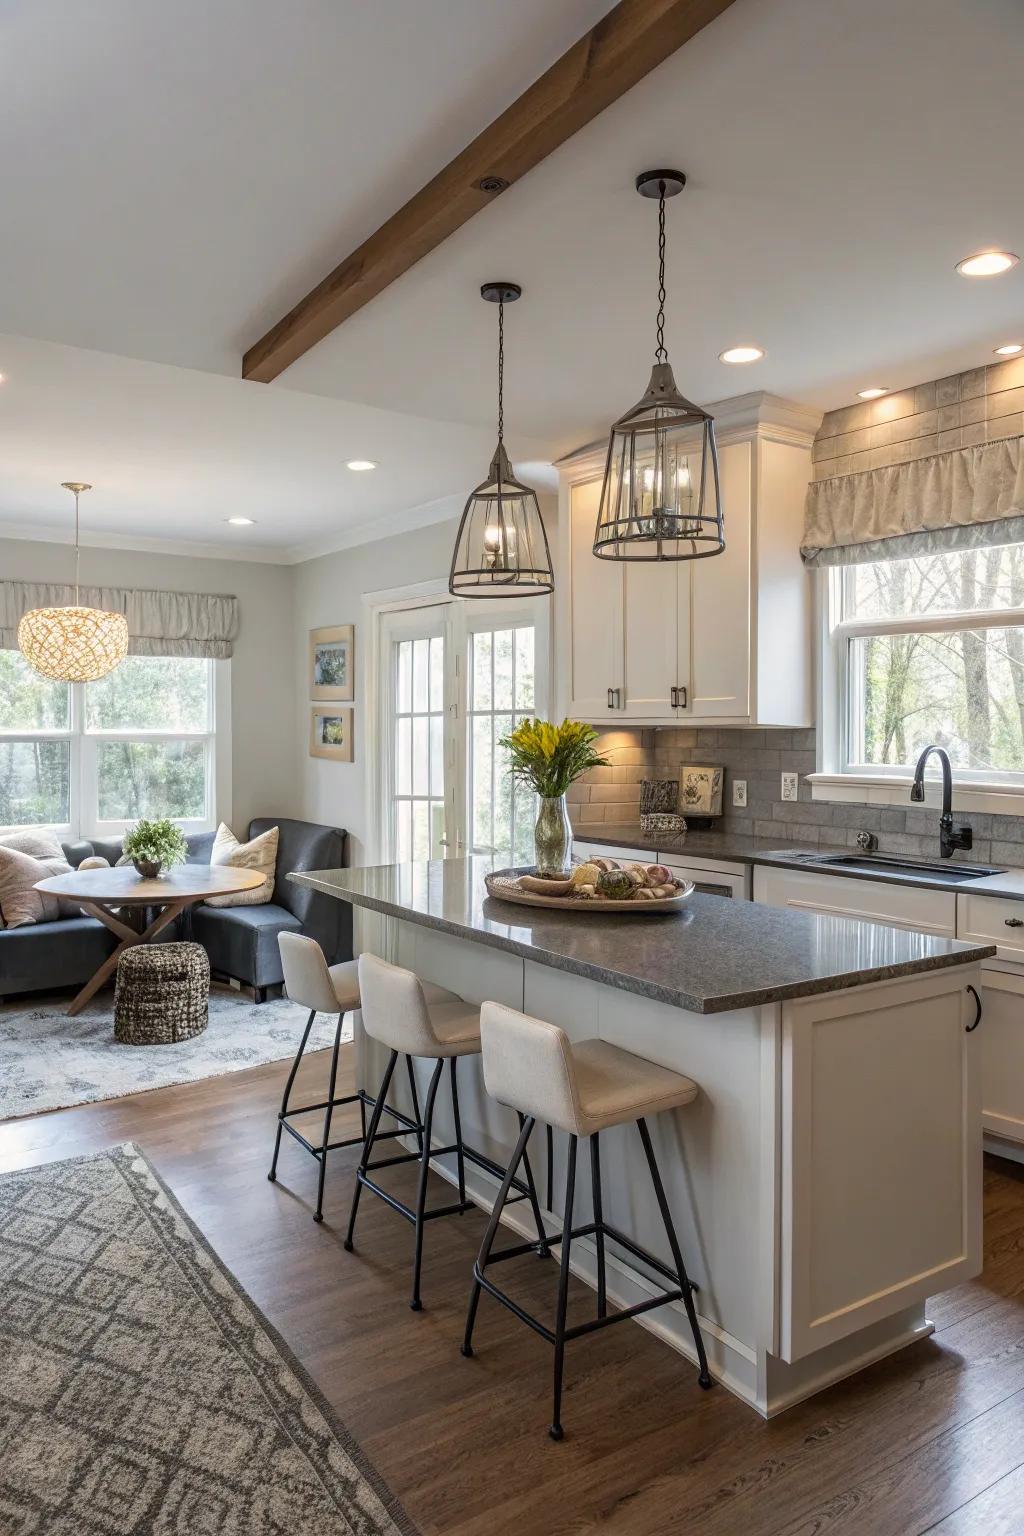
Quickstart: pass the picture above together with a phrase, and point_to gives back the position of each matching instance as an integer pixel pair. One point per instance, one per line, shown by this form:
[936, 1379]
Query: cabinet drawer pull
[970, 1028]
[1014, 922]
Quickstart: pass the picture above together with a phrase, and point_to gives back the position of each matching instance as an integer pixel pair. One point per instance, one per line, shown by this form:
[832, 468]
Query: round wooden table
[99, 891]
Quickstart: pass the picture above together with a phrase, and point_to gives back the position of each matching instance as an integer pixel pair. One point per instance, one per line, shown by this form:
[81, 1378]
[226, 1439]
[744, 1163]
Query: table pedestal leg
[127, 936]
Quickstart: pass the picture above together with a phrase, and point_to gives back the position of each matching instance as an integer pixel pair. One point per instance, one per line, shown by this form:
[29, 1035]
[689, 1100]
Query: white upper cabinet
[723, 640]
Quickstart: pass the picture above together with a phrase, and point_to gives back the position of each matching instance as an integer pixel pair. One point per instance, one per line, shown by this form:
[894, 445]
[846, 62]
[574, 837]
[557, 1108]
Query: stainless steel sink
[883, 864]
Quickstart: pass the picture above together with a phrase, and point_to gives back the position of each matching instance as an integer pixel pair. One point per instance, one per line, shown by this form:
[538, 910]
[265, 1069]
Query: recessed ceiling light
[741, 355]
[241, 522]
[1009, 349]
[360, 464]
[987, 263]
[872, 393]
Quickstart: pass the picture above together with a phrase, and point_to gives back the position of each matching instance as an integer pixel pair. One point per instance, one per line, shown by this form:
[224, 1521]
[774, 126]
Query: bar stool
[583, 1089]
[321, 988]
[415, 1018]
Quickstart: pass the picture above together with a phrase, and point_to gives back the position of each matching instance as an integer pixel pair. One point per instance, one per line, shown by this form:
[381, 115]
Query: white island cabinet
[723, 641]
[827, 1179]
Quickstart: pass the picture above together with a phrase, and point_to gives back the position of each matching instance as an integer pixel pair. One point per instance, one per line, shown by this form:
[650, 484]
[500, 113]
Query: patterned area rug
[49, 1061]
[141, 1391]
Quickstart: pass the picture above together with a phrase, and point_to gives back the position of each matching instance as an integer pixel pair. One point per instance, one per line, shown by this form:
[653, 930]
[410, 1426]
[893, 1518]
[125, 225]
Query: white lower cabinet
[715, 877]
[965, 915]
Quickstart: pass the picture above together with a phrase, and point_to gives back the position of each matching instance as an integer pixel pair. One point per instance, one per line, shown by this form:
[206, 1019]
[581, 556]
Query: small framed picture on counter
[330, 734]
[332, 663]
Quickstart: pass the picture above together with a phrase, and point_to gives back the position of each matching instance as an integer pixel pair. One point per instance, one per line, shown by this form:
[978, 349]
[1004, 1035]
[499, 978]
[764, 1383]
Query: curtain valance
[159, 623]
[964, 499]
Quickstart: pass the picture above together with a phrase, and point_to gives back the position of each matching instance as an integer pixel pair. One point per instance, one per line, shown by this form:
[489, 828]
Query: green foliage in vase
[157, 842]
[548, 758]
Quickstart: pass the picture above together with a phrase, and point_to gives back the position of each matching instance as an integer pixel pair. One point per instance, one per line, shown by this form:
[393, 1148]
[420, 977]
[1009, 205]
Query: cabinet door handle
[611, 698]
[970, 1028]
[674, 699]
[681, 698]
[1014, 922]
[618, 698]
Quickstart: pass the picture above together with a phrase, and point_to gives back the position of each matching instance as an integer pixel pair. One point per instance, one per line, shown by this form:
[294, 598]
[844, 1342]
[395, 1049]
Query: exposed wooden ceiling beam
[621, 49]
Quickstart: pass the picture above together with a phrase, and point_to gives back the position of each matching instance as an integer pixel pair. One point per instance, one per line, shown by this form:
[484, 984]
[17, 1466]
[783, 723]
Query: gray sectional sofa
[240, 941]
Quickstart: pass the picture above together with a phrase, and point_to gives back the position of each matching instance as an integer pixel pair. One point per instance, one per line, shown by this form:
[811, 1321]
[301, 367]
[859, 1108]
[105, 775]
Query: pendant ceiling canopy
[502, 546]
[661, 498]
[73, 644]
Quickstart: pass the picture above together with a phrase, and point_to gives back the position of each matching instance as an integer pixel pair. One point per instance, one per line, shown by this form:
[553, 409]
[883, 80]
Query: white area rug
[49, 1061]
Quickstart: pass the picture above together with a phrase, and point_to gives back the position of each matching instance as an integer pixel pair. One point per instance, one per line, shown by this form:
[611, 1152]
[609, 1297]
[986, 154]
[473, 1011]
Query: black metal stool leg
[595, 1174]
[543, 1250]
[550, 1139]
[378, 1110]
[415, 1101]
[272, 1175]
[492, 1227]
[459, 1154]
[677, 1257]
[421, 1194]
[318, 1214]
[555, 1431]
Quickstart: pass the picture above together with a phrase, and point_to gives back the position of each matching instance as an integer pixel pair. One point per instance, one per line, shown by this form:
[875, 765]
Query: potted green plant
[154, 846]
[548, 758]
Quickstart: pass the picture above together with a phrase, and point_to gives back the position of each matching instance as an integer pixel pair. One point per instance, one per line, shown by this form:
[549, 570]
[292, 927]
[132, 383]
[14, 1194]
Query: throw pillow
[41, 844]
[259, 854]
[20, 904]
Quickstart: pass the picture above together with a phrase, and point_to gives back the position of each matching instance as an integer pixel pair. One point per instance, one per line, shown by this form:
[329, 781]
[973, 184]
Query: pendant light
[73, 644]
[502, 547]
[661, 498]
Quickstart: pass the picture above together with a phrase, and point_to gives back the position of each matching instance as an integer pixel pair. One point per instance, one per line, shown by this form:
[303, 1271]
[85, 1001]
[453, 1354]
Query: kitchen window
[928, 649]
[88, 759]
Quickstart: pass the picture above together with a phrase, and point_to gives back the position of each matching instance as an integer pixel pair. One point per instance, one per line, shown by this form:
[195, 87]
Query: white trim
[36, 533]
[879, 789]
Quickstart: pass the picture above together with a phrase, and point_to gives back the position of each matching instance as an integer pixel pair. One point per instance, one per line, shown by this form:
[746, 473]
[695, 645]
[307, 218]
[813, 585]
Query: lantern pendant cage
[501, 549]
[73, 644]
[661, 495]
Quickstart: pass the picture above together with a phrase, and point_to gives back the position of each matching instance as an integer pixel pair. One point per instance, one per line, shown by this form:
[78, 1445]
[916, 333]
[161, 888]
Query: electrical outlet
[739, 791]
[789, 785]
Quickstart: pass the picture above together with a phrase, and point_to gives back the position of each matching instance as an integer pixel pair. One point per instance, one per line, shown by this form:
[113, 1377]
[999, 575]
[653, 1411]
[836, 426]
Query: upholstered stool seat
[582, 1088]
[414, 1018]
[162, 994]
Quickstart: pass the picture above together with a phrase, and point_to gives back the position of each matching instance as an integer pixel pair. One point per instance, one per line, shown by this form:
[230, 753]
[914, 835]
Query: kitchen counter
[737, 849]
[826, 1179]
[712, 957]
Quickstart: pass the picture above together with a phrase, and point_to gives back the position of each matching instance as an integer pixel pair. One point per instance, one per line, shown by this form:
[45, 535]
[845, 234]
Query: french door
[455, 678]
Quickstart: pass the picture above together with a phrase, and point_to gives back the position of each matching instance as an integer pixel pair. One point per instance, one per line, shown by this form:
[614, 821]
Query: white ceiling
[175, 177]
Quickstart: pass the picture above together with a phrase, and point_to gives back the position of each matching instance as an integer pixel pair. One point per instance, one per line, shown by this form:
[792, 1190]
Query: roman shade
[159, 623]
[965, 499]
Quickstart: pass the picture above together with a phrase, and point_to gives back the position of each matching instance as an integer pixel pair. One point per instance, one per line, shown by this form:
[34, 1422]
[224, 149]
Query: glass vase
[553, 838]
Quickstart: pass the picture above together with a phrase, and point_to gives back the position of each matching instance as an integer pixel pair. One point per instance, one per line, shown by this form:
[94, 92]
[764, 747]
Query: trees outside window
[91, 758]
[931, 649]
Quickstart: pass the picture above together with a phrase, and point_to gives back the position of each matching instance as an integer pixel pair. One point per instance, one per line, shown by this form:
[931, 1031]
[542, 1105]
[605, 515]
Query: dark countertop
[737, 849]
[711, 957]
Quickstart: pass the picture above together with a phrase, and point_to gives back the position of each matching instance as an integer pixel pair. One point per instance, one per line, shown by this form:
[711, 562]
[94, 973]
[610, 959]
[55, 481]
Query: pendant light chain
[78, 552]
[501, 371]
[660, 352]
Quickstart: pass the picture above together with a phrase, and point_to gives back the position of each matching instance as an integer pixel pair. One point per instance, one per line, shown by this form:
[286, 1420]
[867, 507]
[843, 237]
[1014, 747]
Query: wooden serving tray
[503, 884]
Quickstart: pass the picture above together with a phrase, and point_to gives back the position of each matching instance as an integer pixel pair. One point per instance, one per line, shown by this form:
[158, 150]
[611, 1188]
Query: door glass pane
[35, 780]
[151, 778]
[501, 815]
[29, 702]
[151, 693]
[416, 690]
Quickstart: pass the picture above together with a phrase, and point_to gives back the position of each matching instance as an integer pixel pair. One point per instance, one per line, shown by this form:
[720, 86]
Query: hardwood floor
[929, 1440]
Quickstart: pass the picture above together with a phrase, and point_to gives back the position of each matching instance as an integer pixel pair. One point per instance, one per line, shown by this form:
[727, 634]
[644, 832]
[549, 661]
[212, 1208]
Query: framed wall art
[330, 734]
[332, 663]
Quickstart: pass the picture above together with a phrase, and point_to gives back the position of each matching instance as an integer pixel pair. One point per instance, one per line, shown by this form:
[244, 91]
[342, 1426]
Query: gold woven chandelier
[73, 644]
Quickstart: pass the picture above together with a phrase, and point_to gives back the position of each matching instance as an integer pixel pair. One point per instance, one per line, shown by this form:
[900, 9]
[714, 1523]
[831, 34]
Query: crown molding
[35, 533]
[443, 510]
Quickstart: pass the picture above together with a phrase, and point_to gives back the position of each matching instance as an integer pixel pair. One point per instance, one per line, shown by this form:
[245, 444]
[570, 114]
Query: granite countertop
[737, 849]
[711, 957]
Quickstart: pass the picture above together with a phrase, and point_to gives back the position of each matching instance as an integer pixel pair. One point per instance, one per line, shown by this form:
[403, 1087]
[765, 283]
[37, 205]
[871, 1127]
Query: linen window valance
[159, 623]
[965, 499]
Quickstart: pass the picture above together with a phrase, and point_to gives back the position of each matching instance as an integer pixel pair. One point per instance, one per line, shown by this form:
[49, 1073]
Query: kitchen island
[828, 1178]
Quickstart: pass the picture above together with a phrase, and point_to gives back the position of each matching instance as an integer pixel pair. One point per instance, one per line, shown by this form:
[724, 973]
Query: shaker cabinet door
[594, 641]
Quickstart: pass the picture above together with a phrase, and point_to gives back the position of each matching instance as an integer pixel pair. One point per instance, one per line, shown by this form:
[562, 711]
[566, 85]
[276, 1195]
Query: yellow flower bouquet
[548, 758]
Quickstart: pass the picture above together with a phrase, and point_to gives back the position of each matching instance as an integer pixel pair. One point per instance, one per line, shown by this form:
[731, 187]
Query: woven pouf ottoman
[162, 994]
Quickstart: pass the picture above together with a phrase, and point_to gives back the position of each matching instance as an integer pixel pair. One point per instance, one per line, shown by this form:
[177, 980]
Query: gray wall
[263, 744]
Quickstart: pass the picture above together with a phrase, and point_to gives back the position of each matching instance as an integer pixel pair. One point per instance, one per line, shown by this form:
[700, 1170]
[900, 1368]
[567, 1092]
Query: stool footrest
[458, 1208]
